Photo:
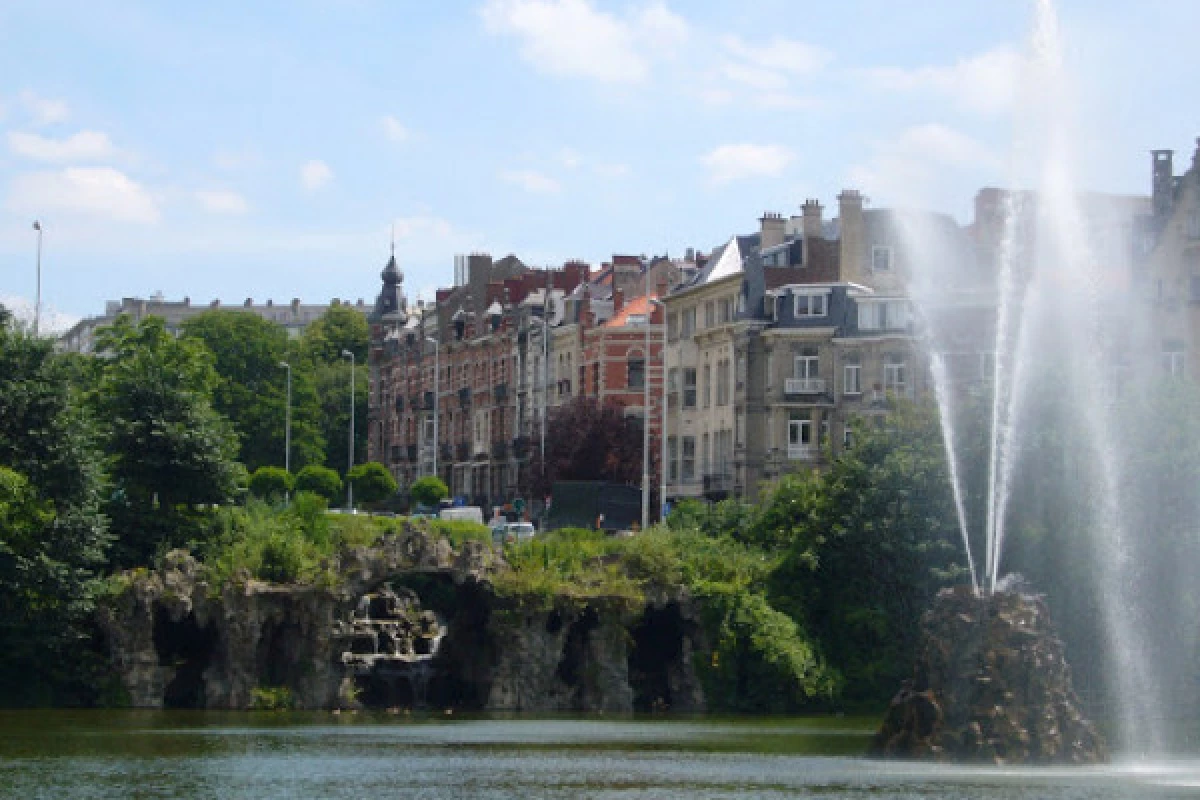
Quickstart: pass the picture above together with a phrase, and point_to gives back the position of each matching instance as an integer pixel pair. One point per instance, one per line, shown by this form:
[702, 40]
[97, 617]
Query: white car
[512, 532]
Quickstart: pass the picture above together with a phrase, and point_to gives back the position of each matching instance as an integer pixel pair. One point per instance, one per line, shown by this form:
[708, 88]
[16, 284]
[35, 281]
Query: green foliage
[871, 541]
[332, 384]
[272, 698]
[262, 542]
[339, 329]
[428, 491]
[271, 483]
[52, 535]
[458, 531]
[320, 480]
[372, 482]
[251, 387]
[168, 449]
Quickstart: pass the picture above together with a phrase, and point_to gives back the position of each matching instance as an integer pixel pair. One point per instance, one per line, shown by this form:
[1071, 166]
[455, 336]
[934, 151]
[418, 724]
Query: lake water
[61, 754]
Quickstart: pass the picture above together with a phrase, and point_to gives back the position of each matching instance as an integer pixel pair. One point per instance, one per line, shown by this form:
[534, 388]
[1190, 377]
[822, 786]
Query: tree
[251, 387]
[53, 537]
[332, 382]
[168, 449]
[340, 328]
[428, 491]
[319, 480]
[270, 483]
[372, 482]
[872, 540]
[587, 441]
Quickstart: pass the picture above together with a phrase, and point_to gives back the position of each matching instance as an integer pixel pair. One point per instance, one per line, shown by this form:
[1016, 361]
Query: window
[710, 314]
[877, 315]
[704, 455]
[707, 385]
[848, 436]
[595, 378]
[636, 377]
[895, 374]
[688, 462]
[673, 327]
[741, 372]
[723, 382]
[689, 387]
[1173, 358]
[636, 320]
[851, 380]
[881, 259]
[672, 459]
[799, 435]
[725, 311]
[811, 305]
[807, 364]
[673, 387]
[689, 323]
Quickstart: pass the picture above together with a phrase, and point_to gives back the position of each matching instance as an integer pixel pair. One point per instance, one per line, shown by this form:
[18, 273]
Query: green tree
[872, 540]
[428, 491]
[319, 480]
[270, 483]
[251, 389]
[339, 329]
[332, 382]
[168, 449]
[372, 482]
[53, 537]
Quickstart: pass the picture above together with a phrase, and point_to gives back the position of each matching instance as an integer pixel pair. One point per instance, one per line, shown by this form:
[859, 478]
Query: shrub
[270, 483]
[372, 482]
[320, 480]
[428, 491]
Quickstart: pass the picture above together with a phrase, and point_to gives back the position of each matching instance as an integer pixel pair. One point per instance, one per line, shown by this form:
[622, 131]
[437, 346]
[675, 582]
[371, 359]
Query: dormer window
[811, 305]
[881, 259]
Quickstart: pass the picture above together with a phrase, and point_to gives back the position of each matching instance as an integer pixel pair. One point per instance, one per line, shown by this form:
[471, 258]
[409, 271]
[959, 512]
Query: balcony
[500, 450]
[802, 452]
[718, 484]
[463, 451]
[804, 386]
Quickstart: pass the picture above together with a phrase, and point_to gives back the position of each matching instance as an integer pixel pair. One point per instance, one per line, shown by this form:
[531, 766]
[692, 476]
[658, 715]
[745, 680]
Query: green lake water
[104, 754]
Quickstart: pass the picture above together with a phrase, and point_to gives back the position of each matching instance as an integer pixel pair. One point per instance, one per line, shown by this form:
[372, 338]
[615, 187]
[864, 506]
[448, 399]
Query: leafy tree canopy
[319, 480]
[340, 328]
[587, 441]
[428, 491]
[270, 483]
[372, 482]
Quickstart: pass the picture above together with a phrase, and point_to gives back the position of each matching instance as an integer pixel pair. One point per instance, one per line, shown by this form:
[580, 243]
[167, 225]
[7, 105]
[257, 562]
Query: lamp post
[646, 413]
[545, 325]
[37, 302]
[662, 491]
[437, 377]
[350, 455]
[287, 425]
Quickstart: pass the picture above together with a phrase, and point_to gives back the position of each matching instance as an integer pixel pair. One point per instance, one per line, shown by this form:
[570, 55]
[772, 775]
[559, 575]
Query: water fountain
[991, 680]
[389, 639]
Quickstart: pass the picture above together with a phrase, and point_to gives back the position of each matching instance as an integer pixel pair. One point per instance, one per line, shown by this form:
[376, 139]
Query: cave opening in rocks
[657, 648]
[574, 656]
[277, 660]
[458, 676]
[187, 647]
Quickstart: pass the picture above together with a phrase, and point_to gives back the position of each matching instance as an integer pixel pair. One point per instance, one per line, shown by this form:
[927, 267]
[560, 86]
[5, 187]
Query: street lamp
[350, 458]
[544, 322]
[287, 425]
[437, 377]
[646, 412]
[662, 492]
[37, 303]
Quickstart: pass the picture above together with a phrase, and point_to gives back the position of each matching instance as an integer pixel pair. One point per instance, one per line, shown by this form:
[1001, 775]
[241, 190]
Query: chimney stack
[852, 252]
[811, 226]
[618, 301]
[772, 227]
[1163, 182]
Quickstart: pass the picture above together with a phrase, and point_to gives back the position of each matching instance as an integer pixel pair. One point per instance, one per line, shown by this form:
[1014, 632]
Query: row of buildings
[753, 359]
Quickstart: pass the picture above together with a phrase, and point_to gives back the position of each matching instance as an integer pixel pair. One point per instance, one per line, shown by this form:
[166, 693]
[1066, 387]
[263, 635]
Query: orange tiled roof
[638, 305]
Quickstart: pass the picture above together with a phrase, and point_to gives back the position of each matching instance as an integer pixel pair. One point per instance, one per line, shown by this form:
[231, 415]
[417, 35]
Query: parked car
[512, 532]
[465, 513]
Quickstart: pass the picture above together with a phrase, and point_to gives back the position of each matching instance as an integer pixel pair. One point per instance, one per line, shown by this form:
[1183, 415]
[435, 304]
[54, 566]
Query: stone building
[1167, 271]
[294, 316]
[454, 386]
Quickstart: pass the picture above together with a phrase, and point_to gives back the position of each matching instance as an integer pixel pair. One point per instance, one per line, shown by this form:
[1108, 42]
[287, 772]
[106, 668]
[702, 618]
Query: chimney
[853, 255]
[618, 301]
[772, 228]
[1163, 182]
[811, 226]
[660, 288]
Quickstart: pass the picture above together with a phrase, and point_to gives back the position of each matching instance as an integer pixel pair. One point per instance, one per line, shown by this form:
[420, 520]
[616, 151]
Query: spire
[391, 298]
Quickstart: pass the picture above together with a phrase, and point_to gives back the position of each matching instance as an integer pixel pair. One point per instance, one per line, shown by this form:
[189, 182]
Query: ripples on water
[161, 755]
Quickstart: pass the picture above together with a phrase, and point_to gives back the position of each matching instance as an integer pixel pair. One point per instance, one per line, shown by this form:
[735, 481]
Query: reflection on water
[143, 754]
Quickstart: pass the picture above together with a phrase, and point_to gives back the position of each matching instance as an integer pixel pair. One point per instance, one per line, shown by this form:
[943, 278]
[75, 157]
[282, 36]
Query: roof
[638, 305]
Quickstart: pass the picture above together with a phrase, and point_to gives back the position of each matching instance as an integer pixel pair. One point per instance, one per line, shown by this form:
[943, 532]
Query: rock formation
[369, 640]
[991, 684]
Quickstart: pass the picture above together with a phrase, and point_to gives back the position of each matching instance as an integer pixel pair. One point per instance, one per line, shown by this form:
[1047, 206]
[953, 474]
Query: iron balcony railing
[804, 386]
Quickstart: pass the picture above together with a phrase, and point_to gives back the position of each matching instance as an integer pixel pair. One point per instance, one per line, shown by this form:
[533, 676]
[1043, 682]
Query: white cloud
[984, 84]
[611, 170]
[422, 226]
[90, 191]
[780, 55]
[82, 146]
[42, 110]
[530, 180]
[569, 158]
[394, 129]
[51, 320]
[230, 160]
[733, 162]
[764, 75]
[315, 174]
[922, 163]
[222, 201]
[570, 37]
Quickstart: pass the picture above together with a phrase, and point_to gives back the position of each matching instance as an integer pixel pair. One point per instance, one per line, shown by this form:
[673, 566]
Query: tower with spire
[390, 303]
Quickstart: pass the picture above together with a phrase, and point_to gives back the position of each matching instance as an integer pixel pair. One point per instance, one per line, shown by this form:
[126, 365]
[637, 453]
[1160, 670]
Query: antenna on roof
[393, 240]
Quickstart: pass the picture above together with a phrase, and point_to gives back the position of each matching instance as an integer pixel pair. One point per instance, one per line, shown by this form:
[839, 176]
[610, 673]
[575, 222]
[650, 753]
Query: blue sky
[231, 149]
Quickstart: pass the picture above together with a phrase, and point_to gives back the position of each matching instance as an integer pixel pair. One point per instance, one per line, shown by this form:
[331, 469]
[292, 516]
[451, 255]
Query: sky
[225, 150]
